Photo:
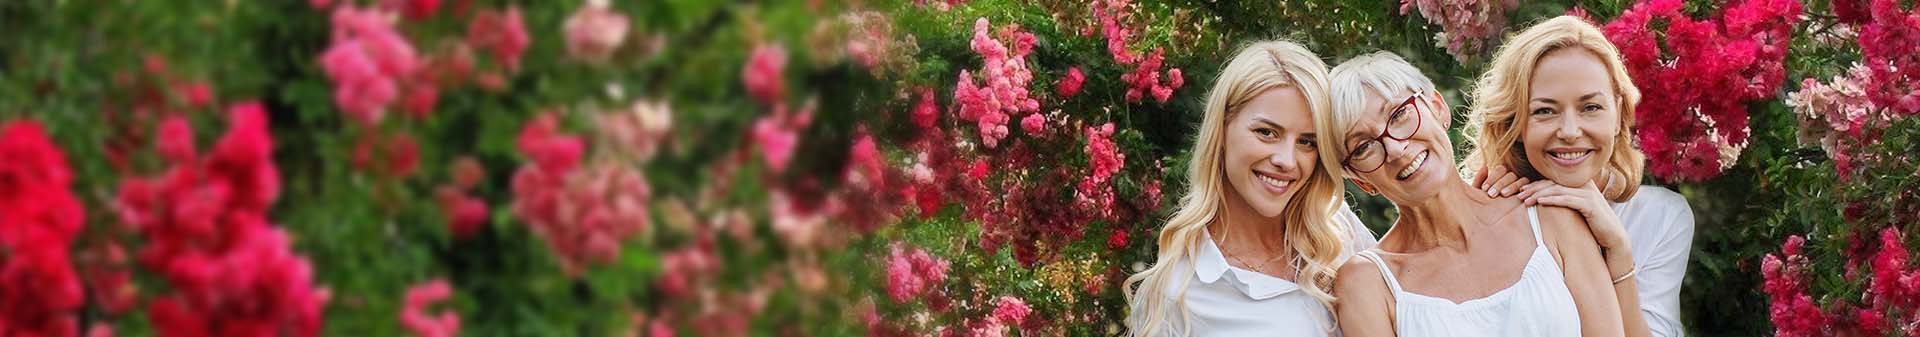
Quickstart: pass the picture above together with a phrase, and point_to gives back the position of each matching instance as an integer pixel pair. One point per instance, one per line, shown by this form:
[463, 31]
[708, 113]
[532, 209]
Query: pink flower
[1070, 84]
[1010, 310]
[1104, 160]
[865, 159]
[1034, 124]
[926, 111]
[1469, 26]
[583, 213]
[911, 272]
[595, 31]
[501, 32]
[1889, 265]
[414, 315]
[762, 73]
[175, 140]
[403, 155]
[902, 283]
[465, 214]
[366, 62]
[551, 151]
[778, 135]
[1002, 91]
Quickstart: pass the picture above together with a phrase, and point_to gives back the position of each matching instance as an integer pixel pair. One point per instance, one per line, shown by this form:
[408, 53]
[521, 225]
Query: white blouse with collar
[1225, 300]
[1660, 225]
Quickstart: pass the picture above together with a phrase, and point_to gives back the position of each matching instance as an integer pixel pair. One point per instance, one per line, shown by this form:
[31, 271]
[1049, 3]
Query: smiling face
[1269, 149]
[1572, 117]
[1407, 169]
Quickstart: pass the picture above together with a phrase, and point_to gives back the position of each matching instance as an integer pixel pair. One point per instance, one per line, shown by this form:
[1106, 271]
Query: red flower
[175, 141]
[40, 294]
[1070, 84]
[1010, 310]
[1889, 265]
[207, 236]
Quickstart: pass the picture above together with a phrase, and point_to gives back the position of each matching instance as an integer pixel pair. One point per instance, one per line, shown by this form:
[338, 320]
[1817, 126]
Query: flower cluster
[1002, 89]
[1794, 313]
[584, 213]
[414, 315]
[1146, 77]
[870, 39]
[1838, 116]
[368, 63]
[1467, 26]
[636, 132]
[1890, 45]
[40, 295]
[911, 272]
[502, 33]
[595, 31]
[465, 213]
[1095, 192]
[1692, 123]
[232, 272]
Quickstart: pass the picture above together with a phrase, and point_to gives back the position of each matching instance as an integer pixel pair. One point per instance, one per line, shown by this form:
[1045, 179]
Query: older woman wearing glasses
[1457, 262]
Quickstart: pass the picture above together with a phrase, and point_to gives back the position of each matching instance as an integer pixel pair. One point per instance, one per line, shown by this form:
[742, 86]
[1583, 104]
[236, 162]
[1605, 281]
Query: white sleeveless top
[1537, 305]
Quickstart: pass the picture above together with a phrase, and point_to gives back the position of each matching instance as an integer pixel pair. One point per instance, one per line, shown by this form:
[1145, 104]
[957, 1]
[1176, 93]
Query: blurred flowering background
[828, 168]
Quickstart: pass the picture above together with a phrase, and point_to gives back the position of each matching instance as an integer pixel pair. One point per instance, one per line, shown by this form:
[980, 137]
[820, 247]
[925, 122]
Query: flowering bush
[1468, 28]
[884, 168]
[1693, 122]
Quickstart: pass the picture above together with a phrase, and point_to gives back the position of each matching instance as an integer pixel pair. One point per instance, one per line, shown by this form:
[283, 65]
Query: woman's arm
[1606, 308]
[1363, 305]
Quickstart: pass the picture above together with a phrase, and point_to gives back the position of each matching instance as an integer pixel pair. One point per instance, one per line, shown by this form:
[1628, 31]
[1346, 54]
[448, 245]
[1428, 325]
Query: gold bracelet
[1623, 277]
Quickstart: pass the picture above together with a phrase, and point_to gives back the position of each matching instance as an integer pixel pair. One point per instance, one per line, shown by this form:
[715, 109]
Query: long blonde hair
[1502, 92]
[1157, 294]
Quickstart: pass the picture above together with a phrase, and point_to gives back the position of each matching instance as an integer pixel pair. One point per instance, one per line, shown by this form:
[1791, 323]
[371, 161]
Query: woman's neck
[1240, 224]
[1444, 219]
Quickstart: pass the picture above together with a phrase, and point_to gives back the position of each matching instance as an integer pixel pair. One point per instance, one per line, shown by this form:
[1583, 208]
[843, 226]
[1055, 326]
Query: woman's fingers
[1513, 183]
[1480, 179]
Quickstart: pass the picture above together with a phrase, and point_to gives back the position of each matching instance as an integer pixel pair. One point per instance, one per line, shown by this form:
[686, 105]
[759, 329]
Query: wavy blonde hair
[1157, 295]
[1502, 92]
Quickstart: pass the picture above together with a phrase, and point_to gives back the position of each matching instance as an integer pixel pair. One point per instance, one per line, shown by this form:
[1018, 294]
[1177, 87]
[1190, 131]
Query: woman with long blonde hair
[1254, 243]
[1557, 108]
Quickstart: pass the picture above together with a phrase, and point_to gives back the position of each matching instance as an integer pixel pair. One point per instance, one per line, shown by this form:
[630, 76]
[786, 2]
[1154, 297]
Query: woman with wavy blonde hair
[1557, 108]
[1254, 243]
